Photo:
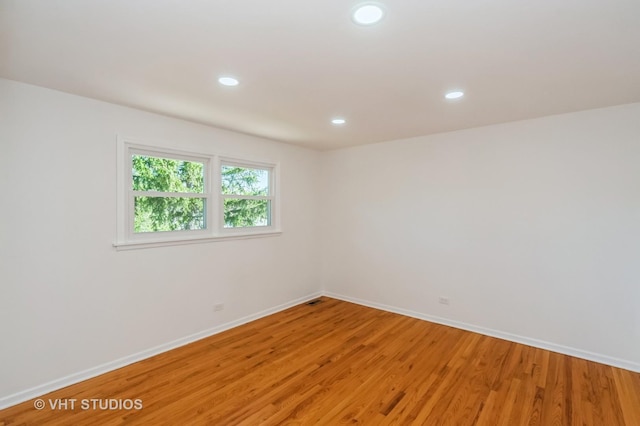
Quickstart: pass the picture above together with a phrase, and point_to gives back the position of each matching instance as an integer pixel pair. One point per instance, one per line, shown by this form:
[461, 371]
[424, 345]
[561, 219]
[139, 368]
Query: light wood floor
[337, 363]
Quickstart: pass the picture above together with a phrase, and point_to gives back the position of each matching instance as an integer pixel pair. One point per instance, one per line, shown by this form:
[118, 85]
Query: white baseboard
[565, 350]
[34, 392]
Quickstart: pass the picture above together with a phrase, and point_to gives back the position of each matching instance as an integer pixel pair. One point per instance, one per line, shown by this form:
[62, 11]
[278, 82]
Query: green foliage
[243, 181]
[153, 214]
[239, 212]
[165, 175]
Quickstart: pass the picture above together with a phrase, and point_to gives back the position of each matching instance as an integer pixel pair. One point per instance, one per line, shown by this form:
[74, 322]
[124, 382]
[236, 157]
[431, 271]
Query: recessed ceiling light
[454, 95]
[338, 121]
[367, 14]
[228, 81]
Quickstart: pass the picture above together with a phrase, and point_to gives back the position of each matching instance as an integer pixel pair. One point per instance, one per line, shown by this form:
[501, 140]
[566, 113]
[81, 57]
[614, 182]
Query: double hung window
[166, 196]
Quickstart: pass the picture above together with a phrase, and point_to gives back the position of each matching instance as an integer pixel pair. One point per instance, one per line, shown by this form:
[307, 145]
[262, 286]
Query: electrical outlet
[443, 300]
[218, 307]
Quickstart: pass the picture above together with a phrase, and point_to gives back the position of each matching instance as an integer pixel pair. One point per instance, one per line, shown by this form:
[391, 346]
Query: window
[168, 194]
[247, 196]
[173, 197]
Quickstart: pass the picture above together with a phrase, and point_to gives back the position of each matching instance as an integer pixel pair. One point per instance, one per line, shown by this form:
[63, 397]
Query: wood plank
[338, 363]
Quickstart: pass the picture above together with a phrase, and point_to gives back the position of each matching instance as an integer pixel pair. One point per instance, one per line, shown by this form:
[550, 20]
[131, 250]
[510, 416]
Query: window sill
[136, 245]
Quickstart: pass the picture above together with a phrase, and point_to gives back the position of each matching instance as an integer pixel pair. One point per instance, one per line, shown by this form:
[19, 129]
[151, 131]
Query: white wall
[68, 300]
[531, 228]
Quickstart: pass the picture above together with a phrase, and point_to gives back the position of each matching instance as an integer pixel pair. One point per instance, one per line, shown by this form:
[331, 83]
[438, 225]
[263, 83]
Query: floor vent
[314, 302]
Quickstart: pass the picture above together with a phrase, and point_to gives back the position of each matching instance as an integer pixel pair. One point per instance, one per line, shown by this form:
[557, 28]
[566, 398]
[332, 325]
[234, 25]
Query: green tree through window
[164, 201]
[169, 195]
[245, 193]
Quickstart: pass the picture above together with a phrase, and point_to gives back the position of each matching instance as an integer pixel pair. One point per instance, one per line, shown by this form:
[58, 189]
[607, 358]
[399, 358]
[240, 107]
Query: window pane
[244, 181]
[240, 213]
[153, 214]
[167, 174]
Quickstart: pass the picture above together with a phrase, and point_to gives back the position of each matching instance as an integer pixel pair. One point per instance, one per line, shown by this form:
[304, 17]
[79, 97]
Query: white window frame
[127, 239]
[224, 161]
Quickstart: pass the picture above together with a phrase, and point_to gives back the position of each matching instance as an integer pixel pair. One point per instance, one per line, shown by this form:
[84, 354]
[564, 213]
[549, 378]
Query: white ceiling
[300, 63]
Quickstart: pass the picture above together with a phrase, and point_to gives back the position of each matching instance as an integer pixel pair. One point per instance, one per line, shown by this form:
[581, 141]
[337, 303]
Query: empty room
[285, 212]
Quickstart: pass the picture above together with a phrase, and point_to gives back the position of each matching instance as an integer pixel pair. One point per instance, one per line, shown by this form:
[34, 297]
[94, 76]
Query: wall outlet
[218, 307]
[443, 300]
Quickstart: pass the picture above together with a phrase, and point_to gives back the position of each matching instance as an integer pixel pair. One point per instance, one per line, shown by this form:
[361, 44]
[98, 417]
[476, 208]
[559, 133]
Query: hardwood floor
[337, 363]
